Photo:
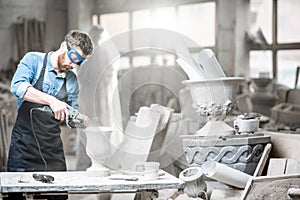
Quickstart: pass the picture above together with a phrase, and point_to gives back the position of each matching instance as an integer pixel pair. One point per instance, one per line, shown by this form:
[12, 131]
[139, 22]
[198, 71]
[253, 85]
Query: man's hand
[60, 109]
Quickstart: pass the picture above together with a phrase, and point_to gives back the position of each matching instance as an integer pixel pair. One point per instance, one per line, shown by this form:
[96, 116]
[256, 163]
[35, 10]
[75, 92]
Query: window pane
[288, 60]
[125, 62]
[197, 21]
[159, 18]
[165, 60]
[261, 64]
[139, 61]
[288, 21]
[141, 19]
[261, 17]
[95, 20]
[164, 18]
[115, 23]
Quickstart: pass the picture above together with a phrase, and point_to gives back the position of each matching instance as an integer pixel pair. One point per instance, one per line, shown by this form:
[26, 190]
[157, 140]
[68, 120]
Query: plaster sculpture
[195, 185]
[98, 149]
[213, 98]
[262, 98]
[225, 174]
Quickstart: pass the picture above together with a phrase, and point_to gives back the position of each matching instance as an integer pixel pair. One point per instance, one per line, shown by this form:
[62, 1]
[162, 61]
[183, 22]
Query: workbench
[80, 182]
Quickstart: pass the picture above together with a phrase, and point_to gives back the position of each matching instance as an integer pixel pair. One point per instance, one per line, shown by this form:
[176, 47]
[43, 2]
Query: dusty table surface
[81, 182]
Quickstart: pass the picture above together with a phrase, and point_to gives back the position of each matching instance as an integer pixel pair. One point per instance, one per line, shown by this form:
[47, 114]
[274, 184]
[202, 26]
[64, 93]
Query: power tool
[76, 119]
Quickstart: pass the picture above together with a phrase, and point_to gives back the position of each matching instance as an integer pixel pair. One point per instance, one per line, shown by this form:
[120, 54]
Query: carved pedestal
[241, 152]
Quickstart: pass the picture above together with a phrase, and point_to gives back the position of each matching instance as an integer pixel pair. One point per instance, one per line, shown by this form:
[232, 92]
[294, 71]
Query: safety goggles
[74, 56]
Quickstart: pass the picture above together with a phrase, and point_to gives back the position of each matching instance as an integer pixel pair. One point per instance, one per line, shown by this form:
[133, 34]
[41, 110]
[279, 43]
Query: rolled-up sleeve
[24, 75]
[20, 91]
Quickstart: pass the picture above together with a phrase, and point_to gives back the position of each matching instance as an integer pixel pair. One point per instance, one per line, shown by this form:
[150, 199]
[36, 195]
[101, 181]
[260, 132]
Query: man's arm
[59, 108]
[22, 88]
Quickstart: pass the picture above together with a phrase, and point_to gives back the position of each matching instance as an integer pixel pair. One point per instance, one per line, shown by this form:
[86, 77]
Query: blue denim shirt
[28, 72]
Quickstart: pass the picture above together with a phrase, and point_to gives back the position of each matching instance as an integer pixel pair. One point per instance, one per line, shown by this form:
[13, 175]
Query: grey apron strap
[39, 84]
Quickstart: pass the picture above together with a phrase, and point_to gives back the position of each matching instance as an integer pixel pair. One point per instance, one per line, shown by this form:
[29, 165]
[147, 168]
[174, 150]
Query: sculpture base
[215, 128]
[241, 152]
[98, 172]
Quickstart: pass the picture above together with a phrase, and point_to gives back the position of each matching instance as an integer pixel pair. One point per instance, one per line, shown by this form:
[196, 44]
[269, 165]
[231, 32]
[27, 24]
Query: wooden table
[80, 182]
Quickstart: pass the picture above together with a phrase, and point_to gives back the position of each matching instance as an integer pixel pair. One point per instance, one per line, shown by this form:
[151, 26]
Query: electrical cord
[36, 139]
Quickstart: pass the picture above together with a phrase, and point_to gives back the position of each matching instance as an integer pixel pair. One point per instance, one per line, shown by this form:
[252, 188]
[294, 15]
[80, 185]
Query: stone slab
[276, 166]
[280, 166]
[292, 167]
[138, 138]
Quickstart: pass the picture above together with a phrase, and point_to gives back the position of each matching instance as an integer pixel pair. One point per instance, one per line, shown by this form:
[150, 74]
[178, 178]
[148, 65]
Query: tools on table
[43, 178]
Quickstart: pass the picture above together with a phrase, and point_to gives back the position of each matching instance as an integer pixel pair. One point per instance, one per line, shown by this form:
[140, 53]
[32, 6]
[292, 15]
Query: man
[45, 79]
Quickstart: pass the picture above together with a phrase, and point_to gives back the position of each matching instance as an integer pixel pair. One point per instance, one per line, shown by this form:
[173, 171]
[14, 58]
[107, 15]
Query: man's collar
[60, 75]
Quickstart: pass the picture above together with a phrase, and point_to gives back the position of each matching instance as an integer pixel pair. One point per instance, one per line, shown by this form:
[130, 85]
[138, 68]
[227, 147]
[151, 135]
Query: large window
[278, 21]
[180, 18]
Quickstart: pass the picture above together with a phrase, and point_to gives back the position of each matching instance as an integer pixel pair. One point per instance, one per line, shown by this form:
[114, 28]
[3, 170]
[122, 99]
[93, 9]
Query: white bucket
[145, 171]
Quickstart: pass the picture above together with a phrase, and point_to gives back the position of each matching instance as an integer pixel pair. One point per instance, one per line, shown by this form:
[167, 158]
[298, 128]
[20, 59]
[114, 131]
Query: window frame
[274, 47]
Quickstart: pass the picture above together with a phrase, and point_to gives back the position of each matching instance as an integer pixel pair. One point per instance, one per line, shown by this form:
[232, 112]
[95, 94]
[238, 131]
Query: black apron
[36, 144]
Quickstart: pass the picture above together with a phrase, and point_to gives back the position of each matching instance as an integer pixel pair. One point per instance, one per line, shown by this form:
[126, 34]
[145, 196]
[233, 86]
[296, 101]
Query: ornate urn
[216, 140]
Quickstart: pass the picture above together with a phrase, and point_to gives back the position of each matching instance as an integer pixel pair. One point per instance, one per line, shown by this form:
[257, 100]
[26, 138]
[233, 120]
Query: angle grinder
[76, 119]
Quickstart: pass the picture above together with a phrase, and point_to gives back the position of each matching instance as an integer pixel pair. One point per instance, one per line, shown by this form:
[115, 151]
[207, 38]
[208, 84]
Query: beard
[60, 62]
